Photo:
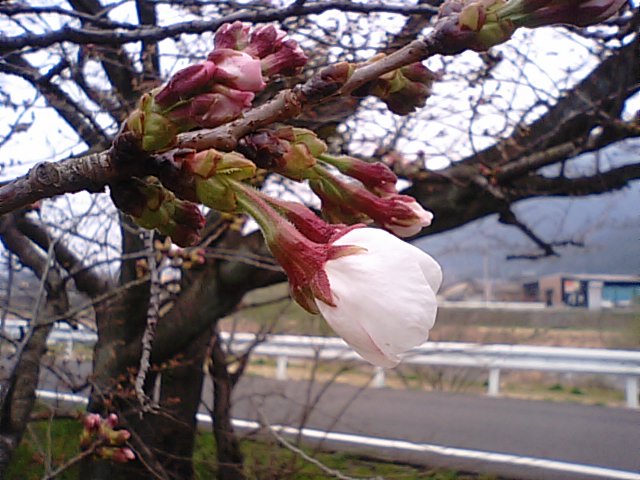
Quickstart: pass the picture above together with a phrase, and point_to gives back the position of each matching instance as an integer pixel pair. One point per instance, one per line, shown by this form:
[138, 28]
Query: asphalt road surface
[573, 434]
[584, 435]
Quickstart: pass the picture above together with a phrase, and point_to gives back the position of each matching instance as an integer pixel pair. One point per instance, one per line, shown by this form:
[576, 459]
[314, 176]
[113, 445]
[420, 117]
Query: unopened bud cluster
[219, 89]
[108, 443]
[153, 206]
[370, 196]
[481, 24]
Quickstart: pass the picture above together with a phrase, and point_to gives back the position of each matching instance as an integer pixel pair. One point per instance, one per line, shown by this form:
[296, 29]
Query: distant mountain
[608, 225]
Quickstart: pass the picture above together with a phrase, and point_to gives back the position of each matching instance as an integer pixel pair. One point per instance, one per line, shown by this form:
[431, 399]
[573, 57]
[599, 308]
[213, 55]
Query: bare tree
[87, 62]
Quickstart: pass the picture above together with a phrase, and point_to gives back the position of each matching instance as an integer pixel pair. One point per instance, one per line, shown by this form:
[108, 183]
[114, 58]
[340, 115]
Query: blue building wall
[620, 293]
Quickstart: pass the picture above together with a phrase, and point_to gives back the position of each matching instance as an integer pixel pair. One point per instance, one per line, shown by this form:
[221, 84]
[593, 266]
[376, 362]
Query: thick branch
[76, 116]
[154, 34]
[596, 100]
[45, 180]
[87, 279]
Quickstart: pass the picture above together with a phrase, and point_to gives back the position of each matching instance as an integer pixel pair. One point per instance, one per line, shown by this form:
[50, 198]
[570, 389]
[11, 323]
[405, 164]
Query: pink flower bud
[209, 110]
[399, 214]
[264, 40]
[334, 208]
[237, 70]
[112, 420]
[118, 455]
[123, 455]
[232, 35]
[91, 421]
[375, 176]
[186, 83]
[286, 60]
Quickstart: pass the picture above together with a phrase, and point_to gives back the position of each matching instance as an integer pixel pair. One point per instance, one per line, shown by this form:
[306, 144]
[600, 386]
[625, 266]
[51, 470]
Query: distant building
[593, 291]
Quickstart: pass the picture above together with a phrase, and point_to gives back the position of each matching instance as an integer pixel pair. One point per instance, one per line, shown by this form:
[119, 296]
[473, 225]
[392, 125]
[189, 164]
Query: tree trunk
[19, 388]
[230, 458]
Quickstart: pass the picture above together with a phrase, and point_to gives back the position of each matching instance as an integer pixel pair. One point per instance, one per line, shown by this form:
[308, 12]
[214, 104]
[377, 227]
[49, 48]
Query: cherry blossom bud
[111, 420]
[399, 214]
[334, 208]
[118, 455]
[300, 258]
[413, 96]
[472, 25]
[208, 163]
[186, 224]
[232, 35]
[237, 70]
[286, 60]
[91, 421]
[375, 176]
[155, 131]
[186, 83]
[286, 151]
[304, 136]
[152, 206]
[265, 39]
[215, 193]
[582, 13]
[114, 437]
[403, 90]
[209, 110]
[100, 433]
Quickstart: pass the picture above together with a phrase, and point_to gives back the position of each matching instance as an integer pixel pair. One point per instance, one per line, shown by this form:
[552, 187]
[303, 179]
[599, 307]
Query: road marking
[393, 444]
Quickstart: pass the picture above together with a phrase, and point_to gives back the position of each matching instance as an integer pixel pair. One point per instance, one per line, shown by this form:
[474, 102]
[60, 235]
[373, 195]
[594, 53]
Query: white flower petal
[385, 304]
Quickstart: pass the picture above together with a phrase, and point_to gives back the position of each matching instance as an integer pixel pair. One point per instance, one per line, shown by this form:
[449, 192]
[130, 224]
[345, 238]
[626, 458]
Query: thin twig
[153, 315]
[285, 443]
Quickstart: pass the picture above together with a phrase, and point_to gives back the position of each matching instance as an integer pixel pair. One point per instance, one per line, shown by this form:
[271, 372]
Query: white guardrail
[494, 358]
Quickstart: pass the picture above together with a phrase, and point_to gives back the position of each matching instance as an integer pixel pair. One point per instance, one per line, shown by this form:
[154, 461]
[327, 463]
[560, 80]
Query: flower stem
[252, 203]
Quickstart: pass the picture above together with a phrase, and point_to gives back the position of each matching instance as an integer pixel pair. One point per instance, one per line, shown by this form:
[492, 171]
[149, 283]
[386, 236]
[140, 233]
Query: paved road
[585, 435]
[589, 435]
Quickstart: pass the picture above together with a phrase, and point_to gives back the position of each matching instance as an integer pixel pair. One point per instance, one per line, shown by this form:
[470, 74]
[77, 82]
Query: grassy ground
[52, 443]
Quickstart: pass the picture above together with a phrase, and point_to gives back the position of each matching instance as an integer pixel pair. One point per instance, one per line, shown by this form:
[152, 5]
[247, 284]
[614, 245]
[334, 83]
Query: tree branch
[87, 280]
[76, 116]
[154, 34]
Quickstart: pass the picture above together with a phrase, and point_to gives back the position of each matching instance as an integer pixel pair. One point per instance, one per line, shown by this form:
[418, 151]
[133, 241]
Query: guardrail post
[378, 378]
[281, 367]
[69, 347]
[631, 392]
[494, 382]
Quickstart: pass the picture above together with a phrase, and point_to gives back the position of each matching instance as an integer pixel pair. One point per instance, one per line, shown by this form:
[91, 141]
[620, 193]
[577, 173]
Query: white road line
[393, 444]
